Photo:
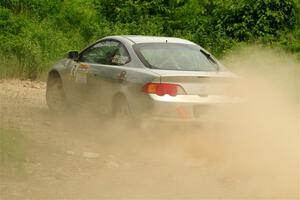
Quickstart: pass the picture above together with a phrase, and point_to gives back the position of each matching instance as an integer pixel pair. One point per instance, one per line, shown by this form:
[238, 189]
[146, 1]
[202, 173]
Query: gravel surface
[84, 156]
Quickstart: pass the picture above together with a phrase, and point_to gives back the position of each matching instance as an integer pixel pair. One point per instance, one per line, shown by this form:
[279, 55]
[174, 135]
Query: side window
[106, 52]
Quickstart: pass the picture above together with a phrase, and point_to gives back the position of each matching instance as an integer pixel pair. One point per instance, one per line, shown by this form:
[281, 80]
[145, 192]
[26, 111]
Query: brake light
[163, 88]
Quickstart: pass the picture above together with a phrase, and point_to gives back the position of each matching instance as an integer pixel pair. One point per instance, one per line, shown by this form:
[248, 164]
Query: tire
[55, 95]
[121, 108]
[122, 112]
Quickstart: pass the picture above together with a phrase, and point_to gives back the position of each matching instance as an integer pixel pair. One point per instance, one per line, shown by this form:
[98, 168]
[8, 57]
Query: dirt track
[85, 157]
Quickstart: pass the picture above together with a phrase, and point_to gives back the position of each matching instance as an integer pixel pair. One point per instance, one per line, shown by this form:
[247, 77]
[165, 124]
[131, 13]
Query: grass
[9, 67]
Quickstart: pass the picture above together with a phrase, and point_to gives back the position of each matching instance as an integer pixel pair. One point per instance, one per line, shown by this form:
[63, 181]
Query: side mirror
[73, 55]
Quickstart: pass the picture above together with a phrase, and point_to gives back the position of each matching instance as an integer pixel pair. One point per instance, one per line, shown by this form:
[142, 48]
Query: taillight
[163, 88]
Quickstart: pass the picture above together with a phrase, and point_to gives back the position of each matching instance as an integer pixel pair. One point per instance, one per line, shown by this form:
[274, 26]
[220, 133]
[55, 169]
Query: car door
[94, 71]
[114, 74]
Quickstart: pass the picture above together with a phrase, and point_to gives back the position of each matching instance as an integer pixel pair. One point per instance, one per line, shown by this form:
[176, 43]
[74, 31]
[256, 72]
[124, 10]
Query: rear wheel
[122, 112]
[55, 95]
[121, 108]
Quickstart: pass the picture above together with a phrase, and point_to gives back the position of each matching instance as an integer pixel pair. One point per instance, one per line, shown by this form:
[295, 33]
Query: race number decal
[119, 60]
[81, 73]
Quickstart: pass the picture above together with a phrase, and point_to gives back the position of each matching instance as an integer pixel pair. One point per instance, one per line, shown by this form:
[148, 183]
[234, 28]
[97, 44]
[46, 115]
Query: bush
[35, 33]
[251, 19]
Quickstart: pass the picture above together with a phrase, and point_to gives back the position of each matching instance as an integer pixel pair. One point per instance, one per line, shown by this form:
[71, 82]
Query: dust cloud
[253, 154]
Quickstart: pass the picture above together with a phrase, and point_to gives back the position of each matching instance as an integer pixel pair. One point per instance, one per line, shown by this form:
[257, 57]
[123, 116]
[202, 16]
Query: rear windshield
[183, 57]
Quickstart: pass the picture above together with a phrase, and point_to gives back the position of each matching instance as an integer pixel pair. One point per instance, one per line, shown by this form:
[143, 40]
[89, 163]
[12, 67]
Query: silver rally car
[143, 77]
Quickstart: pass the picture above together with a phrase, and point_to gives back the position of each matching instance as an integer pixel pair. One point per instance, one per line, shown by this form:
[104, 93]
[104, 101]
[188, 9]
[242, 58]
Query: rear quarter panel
[131, 88]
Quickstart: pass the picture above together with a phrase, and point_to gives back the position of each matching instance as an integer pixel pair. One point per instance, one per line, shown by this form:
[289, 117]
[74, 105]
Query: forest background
[34, 34]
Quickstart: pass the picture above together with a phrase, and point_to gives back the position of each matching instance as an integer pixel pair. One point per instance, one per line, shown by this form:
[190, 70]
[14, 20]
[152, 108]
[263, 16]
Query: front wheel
[55, 95]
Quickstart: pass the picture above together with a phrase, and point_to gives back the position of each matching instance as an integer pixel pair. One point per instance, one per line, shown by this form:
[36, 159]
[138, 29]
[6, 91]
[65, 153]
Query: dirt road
[82, 156]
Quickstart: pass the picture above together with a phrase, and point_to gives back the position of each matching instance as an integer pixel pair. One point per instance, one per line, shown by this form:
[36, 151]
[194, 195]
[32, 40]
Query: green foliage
[32, 43]
[35, 33]
[37, 8]
[250, 19]
[127, 11]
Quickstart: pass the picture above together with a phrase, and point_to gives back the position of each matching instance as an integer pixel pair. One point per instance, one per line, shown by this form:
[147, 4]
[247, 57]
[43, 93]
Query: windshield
[181, 57]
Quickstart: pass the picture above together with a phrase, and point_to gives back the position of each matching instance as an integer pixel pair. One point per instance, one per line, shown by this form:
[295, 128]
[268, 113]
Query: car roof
[155, 39]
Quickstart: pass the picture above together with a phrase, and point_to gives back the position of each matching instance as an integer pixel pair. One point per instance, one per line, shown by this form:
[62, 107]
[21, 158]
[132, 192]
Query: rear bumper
[191, 108]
